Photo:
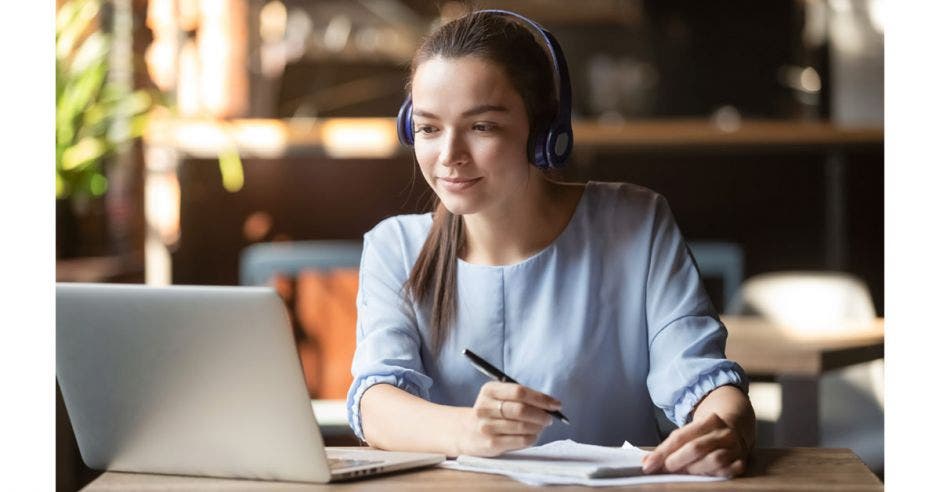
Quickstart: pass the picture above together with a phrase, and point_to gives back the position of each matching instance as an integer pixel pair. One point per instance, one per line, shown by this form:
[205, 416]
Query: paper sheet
[570, 463]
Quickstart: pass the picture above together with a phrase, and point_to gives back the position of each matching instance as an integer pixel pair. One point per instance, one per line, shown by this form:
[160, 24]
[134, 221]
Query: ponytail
[433, 278]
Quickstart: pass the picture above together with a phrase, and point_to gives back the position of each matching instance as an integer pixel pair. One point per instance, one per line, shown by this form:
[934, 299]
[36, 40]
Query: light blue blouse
[611, 319]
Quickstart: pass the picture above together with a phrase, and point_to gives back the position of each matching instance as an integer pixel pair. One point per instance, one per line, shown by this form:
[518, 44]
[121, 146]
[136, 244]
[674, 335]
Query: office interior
[253, 142]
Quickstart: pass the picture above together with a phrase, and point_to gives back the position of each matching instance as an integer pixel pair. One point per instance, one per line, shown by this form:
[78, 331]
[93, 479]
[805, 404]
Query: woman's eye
[484, 127]
[424, 129]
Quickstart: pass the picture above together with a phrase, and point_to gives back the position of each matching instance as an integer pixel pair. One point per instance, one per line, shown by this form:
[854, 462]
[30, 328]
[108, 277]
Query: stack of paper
[569, 462]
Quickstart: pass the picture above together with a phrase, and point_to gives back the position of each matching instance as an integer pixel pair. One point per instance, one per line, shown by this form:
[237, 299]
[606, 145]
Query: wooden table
[795, 469]
[797, 361]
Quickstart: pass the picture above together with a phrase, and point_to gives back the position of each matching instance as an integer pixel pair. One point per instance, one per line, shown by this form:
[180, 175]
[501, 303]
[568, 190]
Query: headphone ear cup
[536, 148]
[405, 127]
[558, 144]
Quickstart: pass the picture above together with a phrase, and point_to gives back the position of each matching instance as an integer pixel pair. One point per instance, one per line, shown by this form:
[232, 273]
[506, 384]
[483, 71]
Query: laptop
[201, 381]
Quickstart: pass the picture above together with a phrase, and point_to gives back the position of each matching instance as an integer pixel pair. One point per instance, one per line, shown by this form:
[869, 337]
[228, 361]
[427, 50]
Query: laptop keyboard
[348, 463]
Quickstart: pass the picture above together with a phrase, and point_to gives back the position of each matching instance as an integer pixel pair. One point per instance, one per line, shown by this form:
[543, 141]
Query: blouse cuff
[360, 387]
[681, 413]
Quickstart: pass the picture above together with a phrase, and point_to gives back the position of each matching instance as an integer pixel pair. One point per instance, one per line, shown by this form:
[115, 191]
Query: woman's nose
[453, 152]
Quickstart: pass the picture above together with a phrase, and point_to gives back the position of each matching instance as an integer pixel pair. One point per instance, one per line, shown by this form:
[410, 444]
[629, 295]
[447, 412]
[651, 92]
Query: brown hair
[504, 41]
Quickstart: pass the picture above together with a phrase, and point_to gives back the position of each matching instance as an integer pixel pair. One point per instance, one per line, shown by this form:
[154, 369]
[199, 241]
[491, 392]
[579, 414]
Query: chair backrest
[318, 281]
[811, 300]
[723, 260]
[259, 262]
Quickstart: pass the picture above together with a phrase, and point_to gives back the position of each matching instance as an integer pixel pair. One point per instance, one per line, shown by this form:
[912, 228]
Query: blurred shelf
[647, 134]
[377, 137]
[120, 269]
[558, 14]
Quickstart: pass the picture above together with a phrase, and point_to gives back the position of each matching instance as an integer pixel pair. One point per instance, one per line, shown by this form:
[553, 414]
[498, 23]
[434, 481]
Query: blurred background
[253, 142]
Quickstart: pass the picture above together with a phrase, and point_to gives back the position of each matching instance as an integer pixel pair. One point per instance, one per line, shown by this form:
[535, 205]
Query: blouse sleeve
[686, 338]
[388, 347]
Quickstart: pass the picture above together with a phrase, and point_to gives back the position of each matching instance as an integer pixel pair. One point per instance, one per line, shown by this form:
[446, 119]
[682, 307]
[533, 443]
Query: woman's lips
[458, 184]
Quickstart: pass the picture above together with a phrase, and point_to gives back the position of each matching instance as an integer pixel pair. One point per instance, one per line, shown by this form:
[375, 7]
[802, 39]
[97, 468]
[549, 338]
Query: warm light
[337, 137]
[803, 79]
[160, 56]
[205, 137]
[162, 205]
[188, 15]
[727, 119]
[809, 80]
[264, 138]
[814, 23]
[812, 303]
[222, 42]
[359, 137]
[845, 30]
[257, 225]
[841, 6]
[337, 33]
[367, 39]
[876, 13]
[766, 399]
[187, 89]
[273, 21]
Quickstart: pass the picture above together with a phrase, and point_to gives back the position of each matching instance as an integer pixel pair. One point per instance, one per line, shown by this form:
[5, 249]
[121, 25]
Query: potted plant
[95, 117]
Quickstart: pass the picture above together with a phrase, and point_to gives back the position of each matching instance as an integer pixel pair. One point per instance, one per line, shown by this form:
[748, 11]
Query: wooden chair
[318, 281]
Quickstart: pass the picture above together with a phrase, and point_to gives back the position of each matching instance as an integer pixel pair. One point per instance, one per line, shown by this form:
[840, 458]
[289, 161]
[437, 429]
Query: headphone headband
[552, 146]
[558, 61]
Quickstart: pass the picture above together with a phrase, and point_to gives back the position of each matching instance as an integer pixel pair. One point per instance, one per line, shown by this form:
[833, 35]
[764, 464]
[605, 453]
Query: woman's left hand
[706, 446]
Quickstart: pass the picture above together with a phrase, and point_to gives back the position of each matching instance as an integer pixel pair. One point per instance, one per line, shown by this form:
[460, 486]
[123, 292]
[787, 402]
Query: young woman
[584, 293]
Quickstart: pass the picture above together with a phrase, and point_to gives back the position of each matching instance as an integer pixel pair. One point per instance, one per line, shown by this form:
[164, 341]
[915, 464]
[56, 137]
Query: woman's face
[471, 129]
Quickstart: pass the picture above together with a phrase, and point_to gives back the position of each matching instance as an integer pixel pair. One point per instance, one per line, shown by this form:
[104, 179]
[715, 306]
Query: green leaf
[71, 26]
[98, 184]
[77, 96]
[61, 188]
[233, 174]
[124, 112]
[94, 115]
[138, 102]
[92, 50]
[88, 150]
[139, 125]
[96, 118]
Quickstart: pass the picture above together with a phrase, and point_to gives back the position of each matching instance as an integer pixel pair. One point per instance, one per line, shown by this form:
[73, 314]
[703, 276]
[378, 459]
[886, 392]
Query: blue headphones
[552, 145]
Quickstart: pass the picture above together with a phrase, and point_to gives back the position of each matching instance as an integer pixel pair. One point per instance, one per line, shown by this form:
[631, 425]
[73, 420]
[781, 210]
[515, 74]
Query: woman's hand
[505, 417]
[706, 446]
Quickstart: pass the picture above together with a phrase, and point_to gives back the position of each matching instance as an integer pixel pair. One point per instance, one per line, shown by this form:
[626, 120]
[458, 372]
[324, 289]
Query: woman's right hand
[505, 417]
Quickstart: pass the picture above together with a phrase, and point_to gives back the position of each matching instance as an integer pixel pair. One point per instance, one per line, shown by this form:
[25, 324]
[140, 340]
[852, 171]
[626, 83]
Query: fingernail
[650, 463]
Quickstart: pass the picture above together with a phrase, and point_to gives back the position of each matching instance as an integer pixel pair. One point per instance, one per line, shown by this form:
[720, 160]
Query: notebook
[572, 463]
[565, 458]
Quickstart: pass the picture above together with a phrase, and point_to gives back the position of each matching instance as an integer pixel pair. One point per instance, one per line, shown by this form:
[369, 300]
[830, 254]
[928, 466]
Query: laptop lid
[185, 380]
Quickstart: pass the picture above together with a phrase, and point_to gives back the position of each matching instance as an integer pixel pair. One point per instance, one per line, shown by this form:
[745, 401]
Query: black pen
[494, 373]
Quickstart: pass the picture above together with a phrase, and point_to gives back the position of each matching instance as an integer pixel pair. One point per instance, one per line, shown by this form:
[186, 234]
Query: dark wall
[772, 204]
[306, 198]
